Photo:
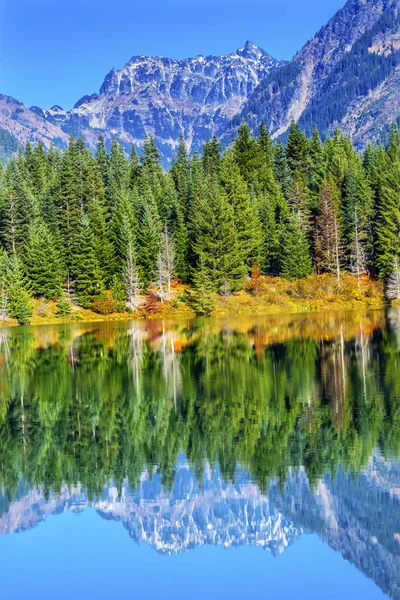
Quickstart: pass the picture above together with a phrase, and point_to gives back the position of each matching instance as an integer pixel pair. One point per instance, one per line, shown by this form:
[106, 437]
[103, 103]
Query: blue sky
[55, 51]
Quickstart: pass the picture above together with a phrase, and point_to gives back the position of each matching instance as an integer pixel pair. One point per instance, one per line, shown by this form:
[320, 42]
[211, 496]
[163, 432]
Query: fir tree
[297, 150]
[43, 262]
[211, 158]
[265, 144]
[148, 240]
[281, 167]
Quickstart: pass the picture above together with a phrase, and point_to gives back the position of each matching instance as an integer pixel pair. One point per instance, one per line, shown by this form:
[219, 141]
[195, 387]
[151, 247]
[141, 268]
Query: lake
[235, 458]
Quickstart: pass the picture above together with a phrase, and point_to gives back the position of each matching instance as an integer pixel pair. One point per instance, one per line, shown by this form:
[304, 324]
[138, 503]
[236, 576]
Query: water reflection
[247, 431]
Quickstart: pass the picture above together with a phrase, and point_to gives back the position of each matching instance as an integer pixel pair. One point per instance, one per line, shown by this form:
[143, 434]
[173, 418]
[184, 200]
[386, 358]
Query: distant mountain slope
[346, 76]
[8, 144]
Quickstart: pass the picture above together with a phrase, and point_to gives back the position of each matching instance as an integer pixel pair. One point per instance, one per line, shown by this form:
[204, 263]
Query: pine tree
[87, 272]
[165, 263]
[295, 250]
[180, 172]
[393, 149]
[244, 210]
[118, 178]
[211, 158]
[358, 254]
[131, 275]
[69, 206]
[43, 262]
[248, 155]
[134, 169]
[147, 243]
[316, 166]
[19, 208]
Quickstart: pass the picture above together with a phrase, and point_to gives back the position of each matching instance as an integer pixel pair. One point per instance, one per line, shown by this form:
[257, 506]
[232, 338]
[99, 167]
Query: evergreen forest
[82, 228]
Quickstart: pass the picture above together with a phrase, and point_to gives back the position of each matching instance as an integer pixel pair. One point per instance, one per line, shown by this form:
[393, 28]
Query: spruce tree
[87, 278]
[217, 244]
[244, 210]
[103, 161]
[19, 302]
[387, 219]
[297, 150]
[96, 211]
[295, 260]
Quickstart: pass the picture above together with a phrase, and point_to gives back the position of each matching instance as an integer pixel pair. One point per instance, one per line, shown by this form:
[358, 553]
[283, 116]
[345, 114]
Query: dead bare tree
[393, 283]
[328, 235]
[132, 277]
[165, 265]
[358, 261]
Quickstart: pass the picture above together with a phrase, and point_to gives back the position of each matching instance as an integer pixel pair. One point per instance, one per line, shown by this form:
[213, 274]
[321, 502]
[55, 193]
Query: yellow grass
[317, 293]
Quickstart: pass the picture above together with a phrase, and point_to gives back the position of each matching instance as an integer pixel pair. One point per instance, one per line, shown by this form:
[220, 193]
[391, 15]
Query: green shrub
[63, 307]
[104, 306]
[202, 304]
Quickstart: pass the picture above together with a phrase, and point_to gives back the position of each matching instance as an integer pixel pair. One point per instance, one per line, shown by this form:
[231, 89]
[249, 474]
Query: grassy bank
[269, 296]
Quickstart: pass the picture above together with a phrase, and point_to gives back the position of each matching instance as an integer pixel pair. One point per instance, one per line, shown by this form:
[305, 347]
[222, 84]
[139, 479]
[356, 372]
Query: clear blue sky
[55, 51]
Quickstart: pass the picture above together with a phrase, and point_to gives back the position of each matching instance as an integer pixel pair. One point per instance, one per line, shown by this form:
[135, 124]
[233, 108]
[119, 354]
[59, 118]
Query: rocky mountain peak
[250, 50]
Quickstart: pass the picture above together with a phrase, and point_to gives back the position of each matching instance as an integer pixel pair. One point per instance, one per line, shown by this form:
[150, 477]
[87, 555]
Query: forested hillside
[74, 225]
[347, 76]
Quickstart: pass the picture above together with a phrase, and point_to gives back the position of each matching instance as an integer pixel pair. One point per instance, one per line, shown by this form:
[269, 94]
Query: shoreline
[316, 294]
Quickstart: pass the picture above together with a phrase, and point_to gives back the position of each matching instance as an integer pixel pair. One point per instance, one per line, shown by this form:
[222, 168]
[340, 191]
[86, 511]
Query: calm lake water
[238, 458]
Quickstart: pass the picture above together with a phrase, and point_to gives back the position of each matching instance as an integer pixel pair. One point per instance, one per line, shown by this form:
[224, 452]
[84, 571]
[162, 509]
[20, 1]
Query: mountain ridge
[347, 76]
[157, 96]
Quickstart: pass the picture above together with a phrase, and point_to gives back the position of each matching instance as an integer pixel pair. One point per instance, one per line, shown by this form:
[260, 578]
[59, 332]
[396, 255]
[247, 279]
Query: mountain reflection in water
[236, 432]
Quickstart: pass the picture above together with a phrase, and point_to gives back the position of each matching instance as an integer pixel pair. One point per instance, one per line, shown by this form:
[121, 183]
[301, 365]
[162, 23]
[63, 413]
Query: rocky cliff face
[196, 97]
[347, 76]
